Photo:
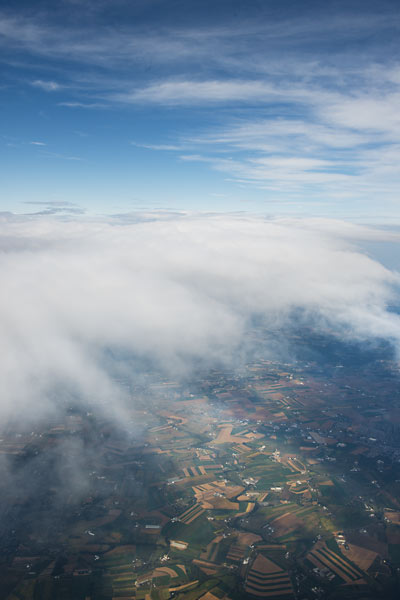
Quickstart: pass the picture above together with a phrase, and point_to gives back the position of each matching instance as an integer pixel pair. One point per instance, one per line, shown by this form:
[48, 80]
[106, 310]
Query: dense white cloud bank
[174, 290]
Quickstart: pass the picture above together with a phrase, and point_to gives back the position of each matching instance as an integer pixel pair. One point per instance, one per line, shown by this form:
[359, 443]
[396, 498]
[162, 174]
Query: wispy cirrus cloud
[87, 105]
[161, 147]
[50, 154]
[191, 92]
[47, 86]
[238, 41]
[373, 111]
[345, 142]
[281, 102]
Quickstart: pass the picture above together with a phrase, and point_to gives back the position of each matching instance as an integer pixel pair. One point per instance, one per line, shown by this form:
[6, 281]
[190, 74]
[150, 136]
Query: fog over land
[179, 290]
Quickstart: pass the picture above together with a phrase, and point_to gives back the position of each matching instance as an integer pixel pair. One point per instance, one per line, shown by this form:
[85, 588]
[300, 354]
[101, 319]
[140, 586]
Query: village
[277, 483]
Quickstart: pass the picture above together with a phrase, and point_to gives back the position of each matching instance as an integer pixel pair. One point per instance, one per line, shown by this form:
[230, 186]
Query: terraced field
[322, 557]
[265, 579]
[120, 569]
[191, 514]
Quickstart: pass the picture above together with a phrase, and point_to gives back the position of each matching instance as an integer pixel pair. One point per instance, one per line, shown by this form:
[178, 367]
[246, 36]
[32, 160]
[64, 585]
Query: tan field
[246, 539]
[178, 544]
[296, 464]
[321, 557]
[208, 596]
[205, 493]
[285, 524]
[208, 568]
[393, 516]
[224, 436]
[266, 579]
[184, 587]
[218, 503]
[161, 571]
[362, 557]
[265, 566]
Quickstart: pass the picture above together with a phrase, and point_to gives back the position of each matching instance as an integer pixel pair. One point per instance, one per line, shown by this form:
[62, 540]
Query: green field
[198, 533]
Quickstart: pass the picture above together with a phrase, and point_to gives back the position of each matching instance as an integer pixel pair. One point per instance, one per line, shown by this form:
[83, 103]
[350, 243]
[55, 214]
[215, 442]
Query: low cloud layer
[82, 300]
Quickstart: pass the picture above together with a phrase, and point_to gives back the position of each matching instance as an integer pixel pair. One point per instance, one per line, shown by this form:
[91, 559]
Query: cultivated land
[279, 481]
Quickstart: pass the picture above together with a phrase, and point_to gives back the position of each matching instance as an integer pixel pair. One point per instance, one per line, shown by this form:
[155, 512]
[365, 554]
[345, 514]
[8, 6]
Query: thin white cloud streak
[349, 130]
[58, 155]
[323, 100]
[191, 92]
[175, 291]
[283, 134]
[347, 143]
[351, 135]
[161, 147]
[232, 44]
[374, 112]
[83, 104]
[290, 174]
[104, 46]
[47, 86]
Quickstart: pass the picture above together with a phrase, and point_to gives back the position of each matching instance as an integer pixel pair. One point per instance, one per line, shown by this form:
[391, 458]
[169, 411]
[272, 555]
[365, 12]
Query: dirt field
[321, 555]
[191, 514]
[393, 516]
[265, 579]
[161, 571]
[178, 544]
[371, 543]
[185, 586]
[285, 524]
[218, 503]
[362, 557]
[296, 464]
[207, 567]
[208, 596]
[205, 493]
[224, 436]
[246, 539]
[265, 566]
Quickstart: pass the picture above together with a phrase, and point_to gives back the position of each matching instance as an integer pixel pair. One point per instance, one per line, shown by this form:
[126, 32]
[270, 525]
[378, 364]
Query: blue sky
[259, 106]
